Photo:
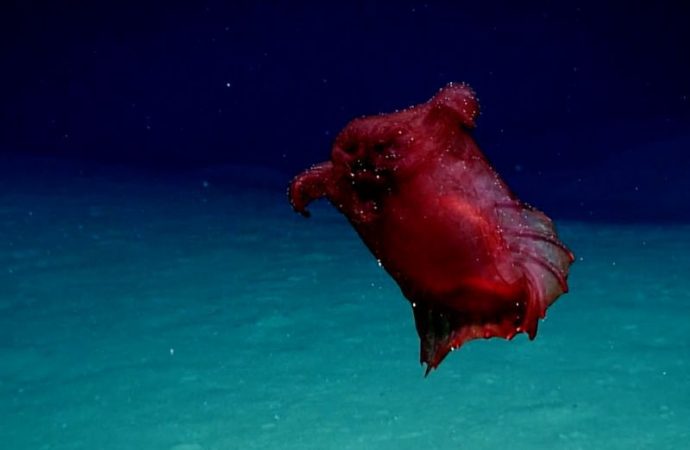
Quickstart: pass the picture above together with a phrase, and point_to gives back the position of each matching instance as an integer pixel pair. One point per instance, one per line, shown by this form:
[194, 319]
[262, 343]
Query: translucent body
[472, 259]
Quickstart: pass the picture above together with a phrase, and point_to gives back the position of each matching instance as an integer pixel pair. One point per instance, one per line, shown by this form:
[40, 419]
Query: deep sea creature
[472, 259]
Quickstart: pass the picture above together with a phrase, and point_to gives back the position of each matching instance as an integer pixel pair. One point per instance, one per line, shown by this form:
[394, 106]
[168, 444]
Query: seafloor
[141, 312]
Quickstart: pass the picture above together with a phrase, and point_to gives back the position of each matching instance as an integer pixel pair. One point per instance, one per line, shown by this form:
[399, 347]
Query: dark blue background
[586, 107]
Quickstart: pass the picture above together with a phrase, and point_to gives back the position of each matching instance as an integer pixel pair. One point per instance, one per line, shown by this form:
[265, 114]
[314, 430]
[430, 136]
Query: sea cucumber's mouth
[368, 182]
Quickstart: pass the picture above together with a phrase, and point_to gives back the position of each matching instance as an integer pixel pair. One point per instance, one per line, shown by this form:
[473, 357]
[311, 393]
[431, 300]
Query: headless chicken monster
[472, 259]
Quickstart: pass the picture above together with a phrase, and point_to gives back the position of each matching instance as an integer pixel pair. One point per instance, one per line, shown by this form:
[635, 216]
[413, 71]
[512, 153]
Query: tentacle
[310, 185]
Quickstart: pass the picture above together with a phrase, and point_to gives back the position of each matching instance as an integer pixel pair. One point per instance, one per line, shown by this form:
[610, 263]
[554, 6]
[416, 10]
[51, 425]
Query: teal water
[179, 314]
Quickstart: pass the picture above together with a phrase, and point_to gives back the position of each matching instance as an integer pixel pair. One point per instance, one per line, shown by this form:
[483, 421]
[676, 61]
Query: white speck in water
[205, 183]
[172, 351]
[228, 84]
[378, 261]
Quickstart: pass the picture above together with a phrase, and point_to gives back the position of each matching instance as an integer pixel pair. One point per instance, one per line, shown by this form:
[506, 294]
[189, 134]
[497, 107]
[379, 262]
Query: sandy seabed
[181, 315]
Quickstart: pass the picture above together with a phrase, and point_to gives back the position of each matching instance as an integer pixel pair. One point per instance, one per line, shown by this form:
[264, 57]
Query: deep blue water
[157, 291]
